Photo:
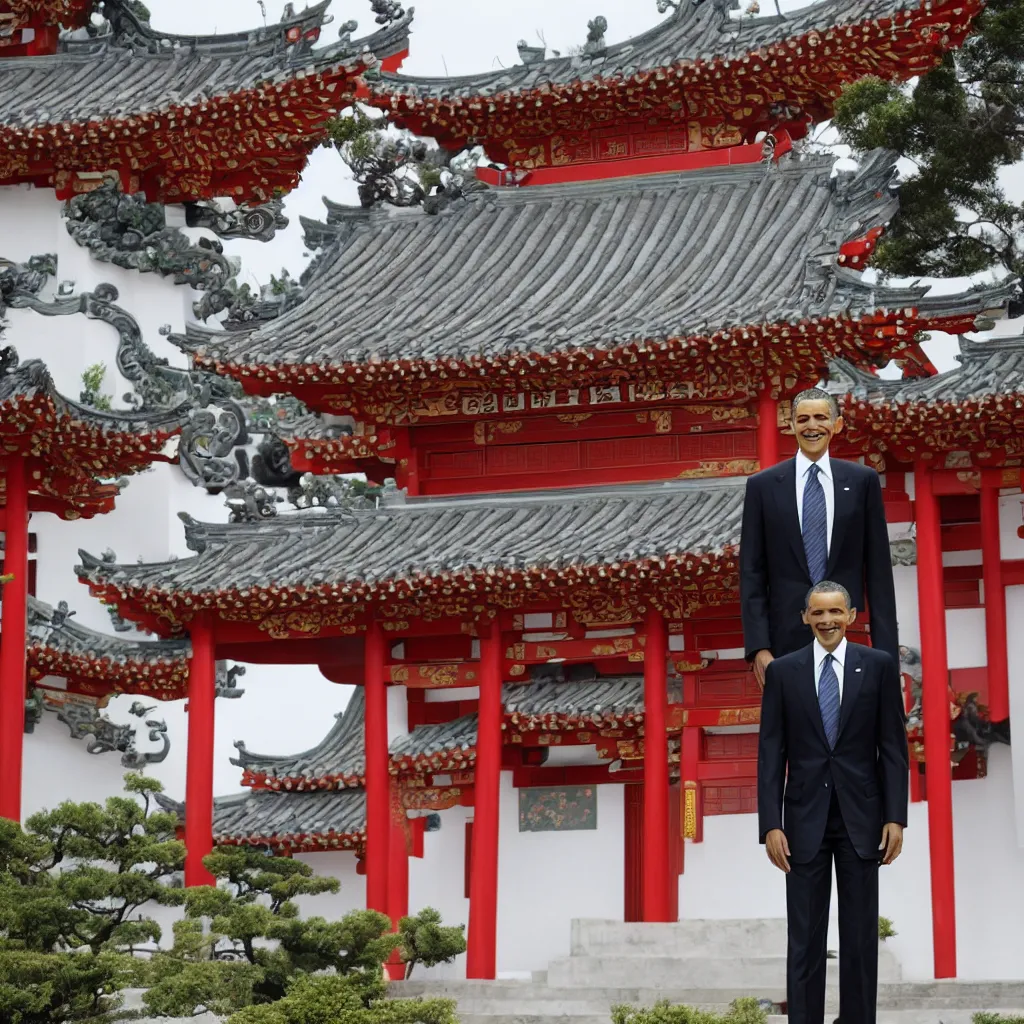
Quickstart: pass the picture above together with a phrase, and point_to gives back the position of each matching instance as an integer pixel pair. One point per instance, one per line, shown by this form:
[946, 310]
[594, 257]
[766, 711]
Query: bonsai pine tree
[243, 947]
[73, 883]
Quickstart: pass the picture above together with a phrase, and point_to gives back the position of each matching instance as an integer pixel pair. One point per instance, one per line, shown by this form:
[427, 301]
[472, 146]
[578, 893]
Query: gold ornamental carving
[690, 810]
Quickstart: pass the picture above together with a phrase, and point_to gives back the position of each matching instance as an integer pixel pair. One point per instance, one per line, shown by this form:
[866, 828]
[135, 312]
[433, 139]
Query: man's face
[814, 426]
[829, 618]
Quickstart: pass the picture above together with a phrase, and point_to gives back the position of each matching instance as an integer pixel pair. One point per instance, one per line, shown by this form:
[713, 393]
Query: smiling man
[832, 789]
[808, 519]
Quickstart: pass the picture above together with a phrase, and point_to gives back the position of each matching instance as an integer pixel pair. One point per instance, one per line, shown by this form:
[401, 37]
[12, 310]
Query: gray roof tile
[260, 814]
[686, 36]
[988, 369]
[591, 266]
[585, 527]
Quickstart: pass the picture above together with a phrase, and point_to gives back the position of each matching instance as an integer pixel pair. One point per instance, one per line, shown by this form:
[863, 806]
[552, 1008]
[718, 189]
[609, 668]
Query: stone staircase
[706, 964]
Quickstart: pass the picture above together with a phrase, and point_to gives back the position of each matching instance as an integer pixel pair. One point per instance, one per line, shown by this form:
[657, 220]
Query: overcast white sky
[450, 37]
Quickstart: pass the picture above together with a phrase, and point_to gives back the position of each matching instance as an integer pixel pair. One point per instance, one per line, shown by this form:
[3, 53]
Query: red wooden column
[378, 809]
[995, 603]
[398, 878]
[202, 694]
[482, 942]
[12, 638]
[656, 859]
[767, 429]
[935, 712]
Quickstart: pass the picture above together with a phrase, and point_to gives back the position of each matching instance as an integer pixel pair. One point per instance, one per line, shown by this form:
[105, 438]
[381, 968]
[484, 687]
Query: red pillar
[202, 693]
[398, 880]
[935, 711]
[656, 845]
[12, 638]
[693, 813]
[767, 429]
[378, 810]
[482, 942]
[995, 604]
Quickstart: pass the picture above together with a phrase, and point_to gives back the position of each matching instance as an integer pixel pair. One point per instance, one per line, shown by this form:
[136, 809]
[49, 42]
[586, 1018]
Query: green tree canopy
[961, 124]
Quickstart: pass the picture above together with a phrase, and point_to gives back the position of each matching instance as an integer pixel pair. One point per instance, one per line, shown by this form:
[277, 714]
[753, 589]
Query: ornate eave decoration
[777, 80]
[83, 718]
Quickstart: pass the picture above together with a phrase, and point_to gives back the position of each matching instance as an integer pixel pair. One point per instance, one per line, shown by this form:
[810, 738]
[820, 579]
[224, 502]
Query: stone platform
[706, 964]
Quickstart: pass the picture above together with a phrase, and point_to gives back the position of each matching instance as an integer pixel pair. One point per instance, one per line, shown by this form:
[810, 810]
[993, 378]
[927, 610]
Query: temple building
[557, 374]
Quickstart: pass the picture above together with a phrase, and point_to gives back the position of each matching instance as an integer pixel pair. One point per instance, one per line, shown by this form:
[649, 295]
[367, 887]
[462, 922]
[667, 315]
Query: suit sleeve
[754, 573]
[881, 591]
[772, 755]
[893, 752]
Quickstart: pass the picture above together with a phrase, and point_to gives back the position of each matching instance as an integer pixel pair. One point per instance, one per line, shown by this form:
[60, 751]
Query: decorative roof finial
[595, 35]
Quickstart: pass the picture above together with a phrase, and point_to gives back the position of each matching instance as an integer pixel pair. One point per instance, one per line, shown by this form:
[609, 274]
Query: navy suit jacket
[774, 578]
[868, 768]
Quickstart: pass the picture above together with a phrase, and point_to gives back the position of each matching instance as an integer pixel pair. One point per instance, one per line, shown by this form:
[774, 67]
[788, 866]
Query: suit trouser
[808, 894]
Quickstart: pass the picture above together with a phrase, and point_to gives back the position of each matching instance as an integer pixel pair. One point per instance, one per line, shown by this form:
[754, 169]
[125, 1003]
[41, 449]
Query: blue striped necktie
[828, 700]
[815, 526]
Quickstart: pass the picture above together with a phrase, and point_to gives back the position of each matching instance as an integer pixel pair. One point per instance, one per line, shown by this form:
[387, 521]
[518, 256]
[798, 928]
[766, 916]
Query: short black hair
[817, 395]
[828, 587]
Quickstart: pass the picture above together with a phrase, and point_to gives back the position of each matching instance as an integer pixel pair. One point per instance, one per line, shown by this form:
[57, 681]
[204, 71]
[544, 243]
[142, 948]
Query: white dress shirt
[803, 466]
[838, 665]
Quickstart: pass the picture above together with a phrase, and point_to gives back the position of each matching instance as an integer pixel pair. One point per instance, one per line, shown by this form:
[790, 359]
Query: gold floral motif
[399, 626]
[662, 421]
[441, 675]
[636, 656]
[690, 810]
[546, 652]
[734, 467]
[431, 798]
[399, 673]
[740, 716]
[517, 652]
[574, 419]
[308, 622]
[515, 671]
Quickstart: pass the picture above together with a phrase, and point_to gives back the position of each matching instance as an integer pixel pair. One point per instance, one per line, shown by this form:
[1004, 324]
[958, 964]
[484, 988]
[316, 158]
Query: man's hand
[892, 841]
[778, 848]
[761, 662]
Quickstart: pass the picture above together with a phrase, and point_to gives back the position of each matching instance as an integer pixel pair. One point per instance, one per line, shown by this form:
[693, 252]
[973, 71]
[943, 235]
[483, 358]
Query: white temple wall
[545, 879]
[438, 880]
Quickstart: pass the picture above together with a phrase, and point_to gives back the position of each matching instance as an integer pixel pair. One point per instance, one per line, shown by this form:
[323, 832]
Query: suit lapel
[844, 500]
[785, 499]
[809, 692]
[853, 679]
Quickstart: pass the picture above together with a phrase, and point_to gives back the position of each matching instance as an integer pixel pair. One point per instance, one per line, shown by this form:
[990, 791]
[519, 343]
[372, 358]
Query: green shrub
[885, 929]
[742, 1011]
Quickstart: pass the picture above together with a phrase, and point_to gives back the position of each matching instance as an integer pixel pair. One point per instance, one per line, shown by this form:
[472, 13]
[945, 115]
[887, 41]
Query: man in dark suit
[805, 520]
[832, 717]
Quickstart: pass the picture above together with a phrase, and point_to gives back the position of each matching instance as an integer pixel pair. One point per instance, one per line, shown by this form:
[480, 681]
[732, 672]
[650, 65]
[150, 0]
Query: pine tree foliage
[73, 887]
[961, 125]
[426, 941]
[243, 946]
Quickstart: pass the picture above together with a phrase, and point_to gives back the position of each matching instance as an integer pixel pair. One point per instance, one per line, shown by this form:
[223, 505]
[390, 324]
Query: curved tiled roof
[988, 369]
[337, 820]
[339, 757]
[59, 632]
[687, 36]
[591, 267]
[428, 537]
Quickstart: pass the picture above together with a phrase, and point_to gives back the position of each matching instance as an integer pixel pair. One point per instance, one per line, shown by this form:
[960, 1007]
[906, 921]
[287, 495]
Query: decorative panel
[562, 809]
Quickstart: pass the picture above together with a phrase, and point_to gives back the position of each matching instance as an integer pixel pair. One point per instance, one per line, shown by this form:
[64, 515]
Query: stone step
[514, 999]
[705, 938]
[674, 972]
[919, 1016]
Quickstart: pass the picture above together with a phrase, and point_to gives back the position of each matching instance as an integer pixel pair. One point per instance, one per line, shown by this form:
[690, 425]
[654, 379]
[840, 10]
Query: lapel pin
[846, 488]
[856, 670]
